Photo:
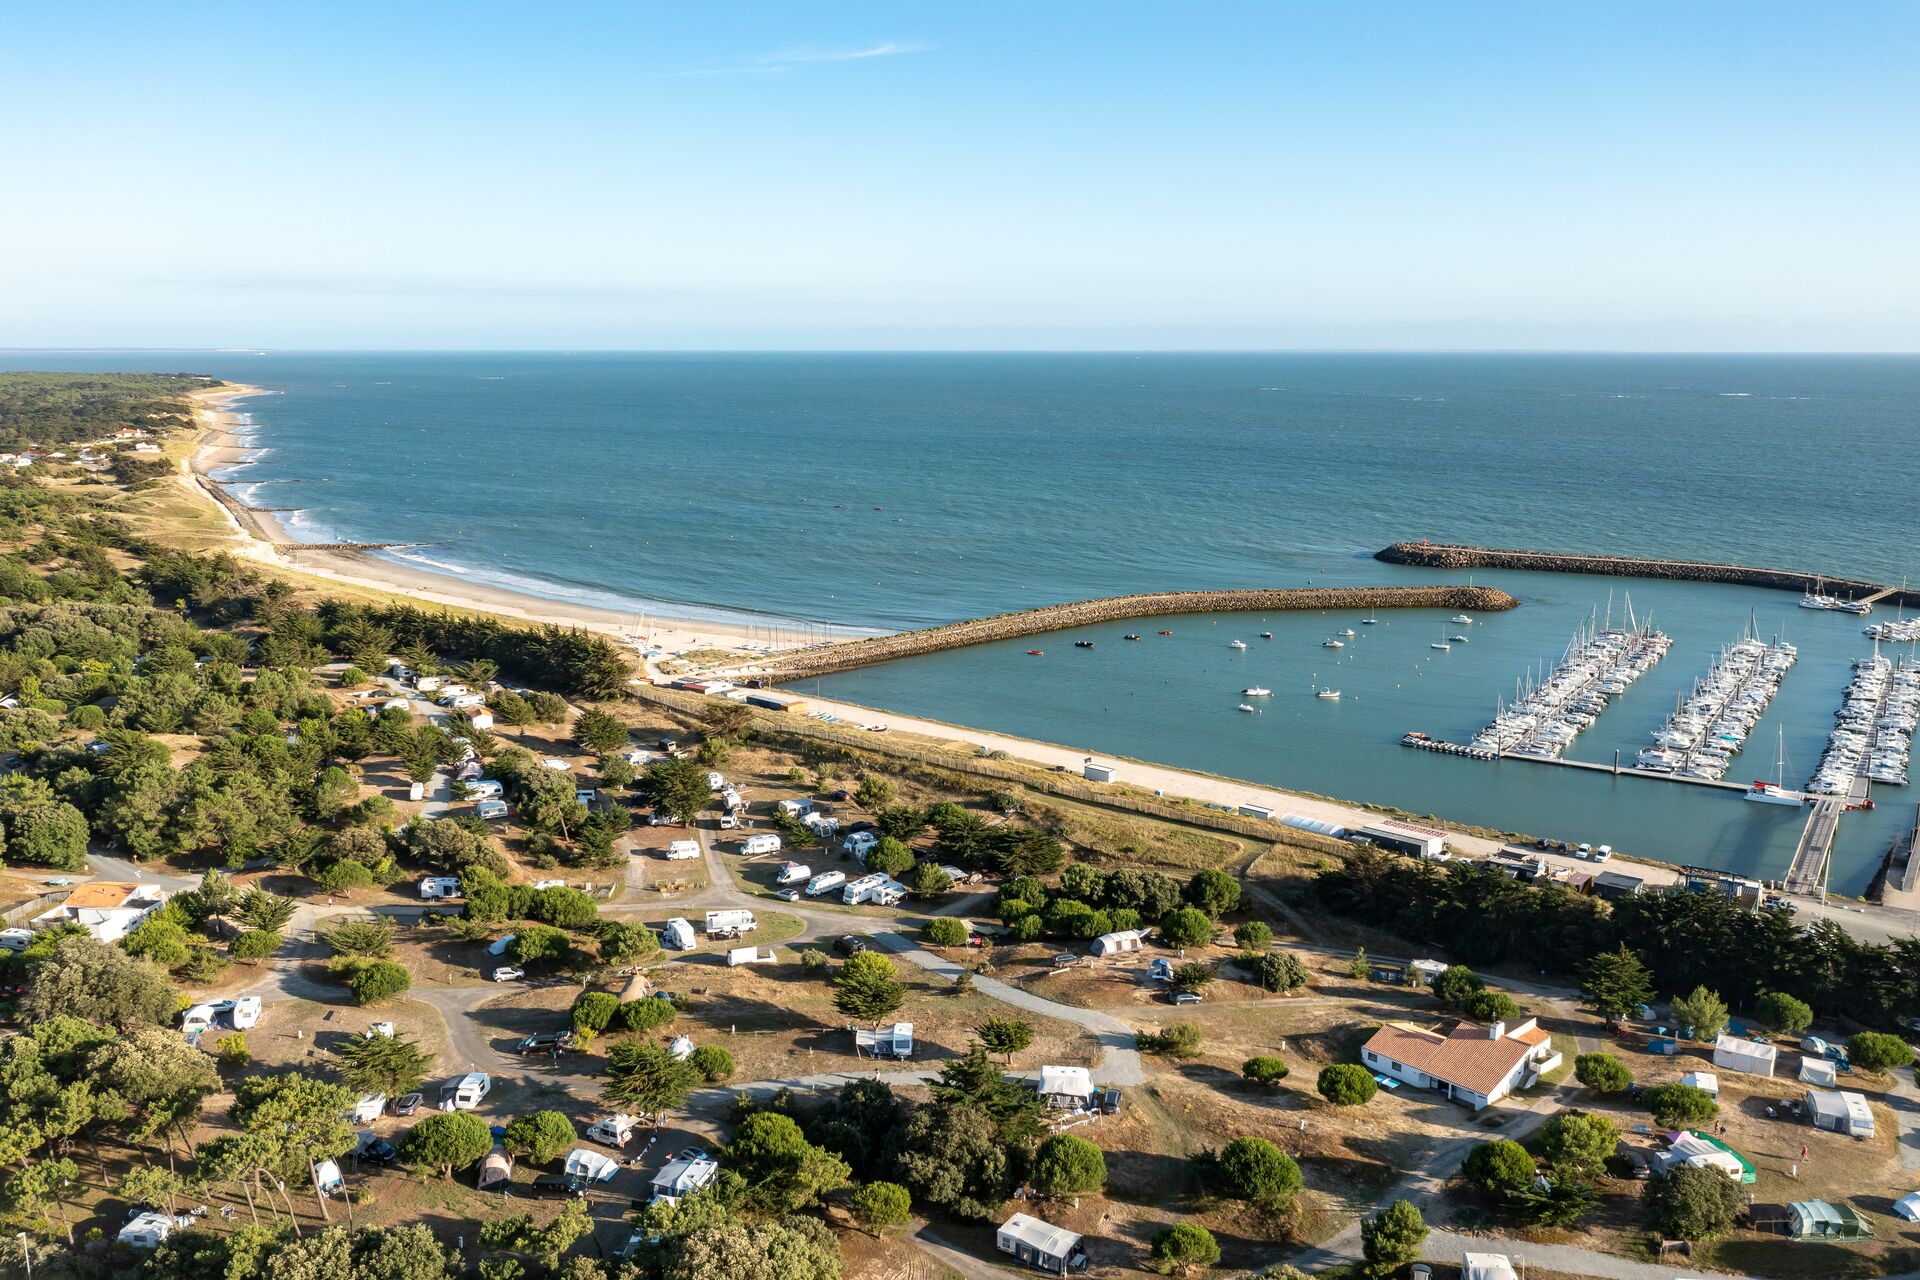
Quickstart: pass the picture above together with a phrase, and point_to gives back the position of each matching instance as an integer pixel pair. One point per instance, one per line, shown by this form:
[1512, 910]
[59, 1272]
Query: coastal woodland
[172, 712]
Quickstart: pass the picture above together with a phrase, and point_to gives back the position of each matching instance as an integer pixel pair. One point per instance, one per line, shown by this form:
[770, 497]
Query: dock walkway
[1808, 873]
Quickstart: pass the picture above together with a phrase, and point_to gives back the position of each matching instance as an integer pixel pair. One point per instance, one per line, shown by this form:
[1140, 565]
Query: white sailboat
[1775, 792]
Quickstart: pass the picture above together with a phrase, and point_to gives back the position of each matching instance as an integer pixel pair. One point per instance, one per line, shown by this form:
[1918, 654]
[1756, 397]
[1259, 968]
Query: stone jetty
[1453, 557]
[1058, 617]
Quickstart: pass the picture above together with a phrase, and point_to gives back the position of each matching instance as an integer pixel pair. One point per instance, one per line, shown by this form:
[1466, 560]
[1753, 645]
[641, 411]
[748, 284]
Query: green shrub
[1346, 1084]
[945, 931]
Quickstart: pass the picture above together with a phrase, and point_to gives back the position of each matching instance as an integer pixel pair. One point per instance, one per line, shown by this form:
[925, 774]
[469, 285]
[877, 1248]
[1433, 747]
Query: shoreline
[258, 537]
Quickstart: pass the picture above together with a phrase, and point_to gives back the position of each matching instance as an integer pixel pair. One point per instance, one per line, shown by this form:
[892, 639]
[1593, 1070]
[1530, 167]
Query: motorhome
[490, 810]
[613, 1131]
[825, 882]
[433, 887]
[729, 923]
[681, 850]
[485, 789]
[685, 1174]
[755, 845]
[678, 934]
[462, 701]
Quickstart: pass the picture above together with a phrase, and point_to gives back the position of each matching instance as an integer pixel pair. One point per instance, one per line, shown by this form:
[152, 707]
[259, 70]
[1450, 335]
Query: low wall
[1454, 557]
[1059, 617]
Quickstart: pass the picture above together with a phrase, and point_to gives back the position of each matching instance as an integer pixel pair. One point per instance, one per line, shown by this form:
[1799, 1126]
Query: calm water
[900, 490]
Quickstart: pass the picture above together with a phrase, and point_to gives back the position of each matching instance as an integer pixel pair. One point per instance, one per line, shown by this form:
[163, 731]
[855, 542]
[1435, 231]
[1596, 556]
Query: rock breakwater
[1007, 626]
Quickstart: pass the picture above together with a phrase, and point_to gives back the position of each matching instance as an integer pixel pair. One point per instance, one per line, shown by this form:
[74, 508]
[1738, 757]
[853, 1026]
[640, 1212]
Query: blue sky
[1706, 176]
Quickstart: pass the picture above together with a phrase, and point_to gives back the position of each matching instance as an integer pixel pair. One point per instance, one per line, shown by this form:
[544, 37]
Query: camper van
[678, 934]
[795, 872]
[466, 1093]
[245, 1012]
[680, 850]
[490, 810]
[433, 887]
[728, 924]
[753, 845]
[614, 1130]
[485, 789]
[861, 843]
[825, 882]
[462, 701]
[863, 889]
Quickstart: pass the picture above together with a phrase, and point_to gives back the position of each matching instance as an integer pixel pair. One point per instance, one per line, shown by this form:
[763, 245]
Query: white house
[1065, 1088]
[685, 1174]
[108, 910]
[1749, 1056]
[1041, 1244]
[1475, 1066]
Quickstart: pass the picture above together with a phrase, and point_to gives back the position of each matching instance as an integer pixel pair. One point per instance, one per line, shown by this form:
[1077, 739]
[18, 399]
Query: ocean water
[887, 491]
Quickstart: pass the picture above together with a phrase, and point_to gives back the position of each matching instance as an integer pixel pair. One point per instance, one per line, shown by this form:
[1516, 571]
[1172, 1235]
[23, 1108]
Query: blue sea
[889, 491]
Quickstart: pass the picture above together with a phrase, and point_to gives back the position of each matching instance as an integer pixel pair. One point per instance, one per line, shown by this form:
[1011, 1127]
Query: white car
[507, 973]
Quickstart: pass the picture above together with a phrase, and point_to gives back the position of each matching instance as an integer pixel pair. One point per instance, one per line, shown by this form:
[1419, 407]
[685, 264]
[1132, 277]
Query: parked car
[1186, 997]
[379, 1151]
[508, 973]
[788, 895]
[558, 1186]
[407, 1105]
[545, 1042]
[1110, 1102]
[848, 945]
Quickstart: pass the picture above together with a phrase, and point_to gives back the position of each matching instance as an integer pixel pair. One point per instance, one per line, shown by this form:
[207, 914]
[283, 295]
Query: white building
[1475, 1066]
[1405, 837]
[1041, 1244]
[108, 910]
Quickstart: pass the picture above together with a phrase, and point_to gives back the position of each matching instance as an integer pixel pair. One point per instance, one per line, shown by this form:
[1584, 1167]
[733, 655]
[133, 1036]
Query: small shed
[895, 1041]
[1731, 1053]
[1094, 771]
[1065, 1088]
[1616, 886]
[1112, 944]
[1041, 1244]
[1816, 1219]
[496, 1169]
[1486, 1266]
[1841, 1112]
[1819, 1071]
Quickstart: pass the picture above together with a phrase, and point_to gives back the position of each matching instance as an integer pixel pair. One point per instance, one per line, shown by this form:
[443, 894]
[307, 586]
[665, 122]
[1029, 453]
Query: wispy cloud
[769, 64]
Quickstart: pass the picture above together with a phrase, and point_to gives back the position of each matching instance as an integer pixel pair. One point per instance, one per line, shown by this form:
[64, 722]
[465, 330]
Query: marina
[1872, 738]
[1710, 726]
[1549, 714]
[1895, 631]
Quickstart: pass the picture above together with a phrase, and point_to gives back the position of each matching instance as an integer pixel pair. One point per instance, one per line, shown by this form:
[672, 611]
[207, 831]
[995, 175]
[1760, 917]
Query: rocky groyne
[1437, 555]
[1058, 617]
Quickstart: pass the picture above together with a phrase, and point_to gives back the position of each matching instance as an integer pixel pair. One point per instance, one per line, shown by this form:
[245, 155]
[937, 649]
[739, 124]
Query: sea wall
[1453, 557]
[1058, 617]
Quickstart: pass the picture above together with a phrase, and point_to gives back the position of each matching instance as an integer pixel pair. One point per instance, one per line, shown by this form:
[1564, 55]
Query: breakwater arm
[1058, 617]
[1438, 555]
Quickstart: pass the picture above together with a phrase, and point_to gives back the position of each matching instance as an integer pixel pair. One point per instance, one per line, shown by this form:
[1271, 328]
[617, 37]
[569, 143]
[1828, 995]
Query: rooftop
[1469, 1057]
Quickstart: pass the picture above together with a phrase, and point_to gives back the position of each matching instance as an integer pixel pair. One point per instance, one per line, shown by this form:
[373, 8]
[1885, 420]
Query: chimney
[1498, 1031]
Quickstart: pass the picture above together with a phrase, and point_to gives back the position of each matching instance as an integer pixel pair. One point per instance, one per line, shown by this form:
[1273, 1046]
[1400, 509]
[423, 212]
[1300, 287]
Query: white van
[466, 1093]
[825, 882]
[485, 789]
[729, 923]
[760, 844]
[677, 934]
[681, 850]
[795, 872]
[614, 1130]
[488, 810]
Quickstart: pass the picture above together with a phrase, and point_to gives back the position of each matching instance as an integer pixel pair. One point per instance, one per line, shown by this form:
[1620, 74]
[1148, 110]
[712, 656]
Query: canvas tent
[1109, 944]
[1064, 1088]
[1691, 1149]
[1807, 1219]
[1731, 1053]
[1818, 1071]
[496, 1169]
[1705, 1081]
[1908, 1206]
[1486, 1266]
[591, 1165]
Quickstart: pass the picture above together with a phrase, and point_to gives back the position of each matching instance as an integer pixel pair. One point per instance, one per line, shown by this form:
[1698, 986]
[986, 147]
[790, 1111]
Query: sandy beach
[258, 536]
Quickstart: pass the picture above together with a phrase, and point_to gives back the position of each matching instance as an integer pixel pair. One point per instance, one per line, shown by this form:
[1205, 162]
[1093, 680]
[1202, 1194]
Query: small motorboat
[1367, 622]
[1246, 706]
[1036, 653]
[1332, 643]
[1257, 692]
[1349, 632]
[1083, 644]
[1440, 644]
[1459, 617]
[1331, 695]
[1458, 639]
[1129, 637]
[1166, 633]
[1238, 644]
[1266, 635]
